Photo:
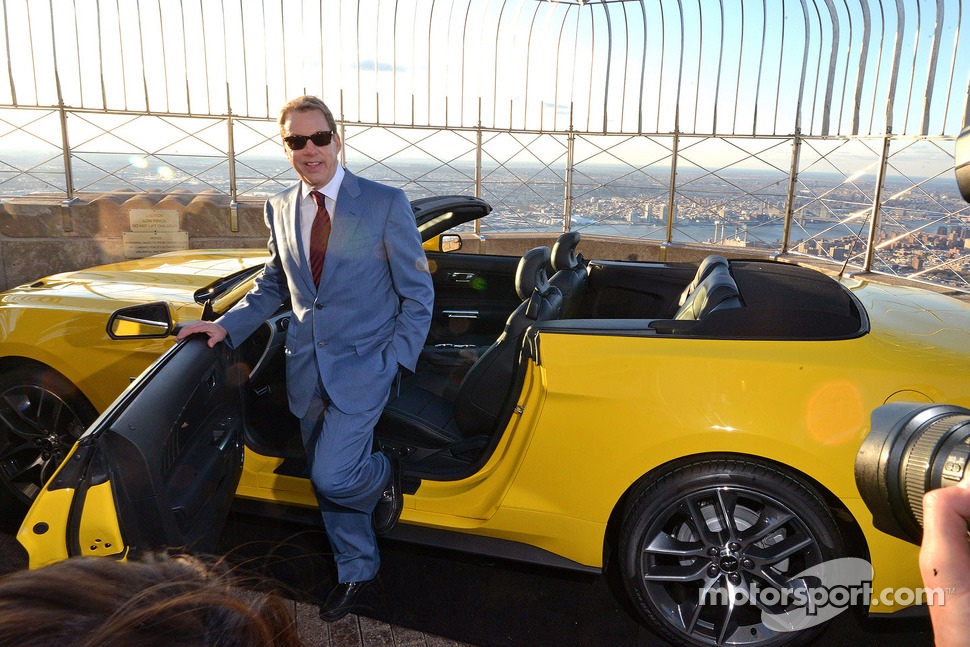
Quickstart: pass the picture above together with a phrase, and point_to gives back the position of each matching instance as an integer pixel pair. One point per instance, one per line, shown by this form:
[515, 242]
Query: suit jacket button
[319, 306]
[321, 344]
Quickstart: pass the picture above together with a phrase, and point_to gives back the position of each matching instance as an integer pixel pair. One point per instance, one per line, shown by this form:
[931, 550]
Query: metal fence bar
[672, 201]
[233, 194]
[570, 166]
[876, 206]
[796, 148]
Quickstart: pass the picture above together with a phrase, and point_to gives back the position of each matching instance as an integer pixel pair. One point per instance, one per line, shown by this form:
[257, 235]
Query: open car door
[158, 469]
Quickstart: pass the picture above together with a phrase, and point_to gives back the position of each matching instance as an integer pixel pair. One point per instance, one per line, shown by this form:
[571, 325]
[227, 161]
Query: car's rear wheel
[41, 415]
[709, 546]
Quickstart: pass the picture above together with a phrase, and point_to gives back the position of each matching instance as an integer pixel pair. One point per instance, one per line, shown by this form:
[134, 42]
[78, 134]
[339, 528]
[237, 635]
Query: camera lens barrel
[936, 459]
[911, 448]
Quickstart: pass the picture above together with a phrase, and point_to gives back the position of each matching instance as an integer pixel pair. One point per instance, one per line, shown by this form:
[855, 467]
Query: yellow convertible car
[693, 427]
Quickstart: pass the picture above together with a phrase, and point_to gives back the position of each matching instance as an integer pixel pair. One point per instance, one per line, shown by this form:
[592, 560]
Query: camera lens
[911, 448]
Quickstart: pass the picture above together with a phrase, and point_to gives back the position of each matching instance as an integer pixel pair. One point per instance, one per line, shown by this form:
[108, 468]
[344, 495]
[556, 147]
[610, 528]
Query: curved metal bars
[155, 56]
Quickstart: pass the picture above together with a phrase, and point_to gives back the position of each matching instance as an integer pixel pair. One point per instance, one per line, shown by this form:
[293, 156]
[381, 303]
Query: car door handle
[461, 277]
[461, 314]
[210, 381]
[221, 433]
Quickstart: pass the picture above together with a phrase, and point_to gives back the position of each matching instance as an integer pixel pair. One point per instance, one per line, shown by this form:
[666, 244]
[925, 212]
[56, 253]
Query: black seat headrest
[717, 290]
[564, 255]
[531, 274]
[703, 270]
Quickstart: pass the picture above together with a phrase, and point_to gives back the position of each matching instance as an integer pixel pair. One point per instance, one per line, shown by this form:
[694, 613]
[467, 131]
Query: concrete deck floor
[360, 631]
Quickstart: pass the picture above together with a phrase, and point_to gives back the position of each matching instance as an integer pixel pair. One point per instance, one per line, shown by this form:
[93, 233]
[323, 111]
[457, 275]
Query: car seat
[417, 419]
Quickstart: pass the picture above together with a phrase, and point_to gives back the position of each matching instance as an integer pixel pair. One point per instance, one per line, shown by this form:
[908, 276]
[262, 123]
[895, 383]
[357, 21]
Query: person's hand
[944, 561]
[215, 331]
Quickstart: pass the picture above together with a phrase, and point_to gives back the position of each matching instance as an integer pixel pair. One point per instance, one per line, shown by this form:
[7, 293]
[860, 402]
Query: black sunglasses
[319, 138]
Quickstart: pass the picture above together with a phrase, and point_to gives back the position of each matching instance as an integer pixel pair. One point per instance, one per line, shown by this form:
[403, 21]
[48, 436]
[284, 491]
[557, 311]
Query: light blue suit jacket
[372, 310]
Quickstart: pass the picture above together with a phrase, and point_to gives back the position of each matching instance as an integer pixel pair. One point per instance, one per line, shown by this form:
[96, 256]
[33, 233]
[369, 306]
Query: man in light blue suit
[362, 318]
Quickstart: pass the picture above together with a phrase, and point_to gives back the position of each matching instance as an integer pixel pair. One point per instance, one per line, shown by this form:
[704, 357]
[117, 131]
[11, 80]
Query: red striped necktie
[319, 235]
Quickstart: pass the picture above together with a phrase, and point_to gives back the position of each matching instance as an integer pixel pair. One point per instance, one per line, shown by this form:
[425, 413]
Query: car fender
[78, 348]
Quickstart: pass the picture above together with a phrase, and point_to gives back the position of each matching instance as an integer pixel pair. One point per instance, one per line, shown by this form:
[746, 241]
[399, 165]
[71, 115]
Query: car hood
[173, 277]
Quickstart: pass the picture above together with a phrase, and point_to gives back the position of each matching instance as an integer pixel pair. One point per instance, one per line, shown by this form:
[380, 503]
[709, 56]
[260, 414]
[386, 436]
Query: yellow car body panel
[45, 527]
[100, 532]
[259, 481]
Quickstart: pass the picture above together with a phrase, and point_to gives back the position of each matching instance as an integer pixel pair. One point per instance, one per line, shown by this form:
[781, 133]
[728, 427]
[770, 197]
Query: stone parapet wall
[43, 235]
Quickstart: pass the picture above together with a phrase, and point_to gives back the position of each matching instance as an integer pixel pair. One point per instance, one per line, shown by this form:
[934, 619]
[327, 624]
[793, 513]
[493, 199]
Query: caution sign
[153, 220]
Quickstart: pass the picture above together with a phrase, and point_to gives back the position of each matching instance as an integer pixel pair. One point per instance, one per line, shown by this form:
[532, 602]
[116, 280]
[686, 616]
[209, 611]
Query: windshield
[228, 289]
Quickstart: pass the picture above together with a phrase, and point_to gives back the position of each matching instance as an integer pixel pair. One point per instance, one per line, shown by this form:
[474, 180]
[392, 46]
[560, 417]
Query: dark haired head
[157, 601]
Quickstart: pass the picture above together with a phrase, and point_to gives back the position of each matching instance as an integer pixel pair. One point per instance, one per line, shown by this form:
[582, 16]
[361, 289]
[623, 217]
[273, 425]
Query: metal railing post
[796, 151]
[672, 195]
[478, 162]
[567, 215]
[876, 206]
[478, 165]
[66, 220]
[233, 193]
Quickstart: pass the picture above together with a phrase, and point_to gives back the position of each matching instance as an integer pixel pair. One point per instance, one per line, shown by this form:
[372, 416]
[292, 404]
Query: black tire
[41, 415]
[667, 563]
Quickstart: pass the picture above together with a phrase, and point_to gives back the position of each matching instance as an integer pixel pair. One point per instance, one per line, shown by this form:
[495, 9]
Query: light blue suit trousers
[348, 478]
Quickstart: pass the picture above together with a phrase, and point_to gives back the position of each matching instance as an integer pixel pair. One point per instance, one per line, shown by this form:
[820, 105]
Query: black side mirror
[144, 321]
[450, 242]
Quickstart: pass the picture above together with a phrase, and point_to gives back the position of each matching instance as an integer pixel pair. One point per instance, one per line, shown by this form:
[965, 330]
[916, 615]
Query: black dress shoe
[388, 509]
[342, 600]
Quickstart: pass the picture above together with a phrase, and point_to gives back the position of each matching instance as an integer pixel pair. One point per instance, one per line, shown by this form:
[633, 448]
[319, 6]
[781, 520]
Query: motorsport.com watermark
[818, 594]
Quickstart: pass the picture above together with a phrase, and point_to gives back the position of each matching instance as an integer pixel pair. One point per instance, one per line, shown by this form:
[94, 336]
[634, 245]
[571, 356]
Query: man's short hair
[306, 104]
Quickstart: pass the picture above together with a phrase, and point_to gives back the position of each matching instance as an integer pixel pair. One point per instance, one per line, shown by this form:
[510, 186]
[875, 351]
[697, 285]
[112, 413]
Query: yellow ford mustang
[693, 427]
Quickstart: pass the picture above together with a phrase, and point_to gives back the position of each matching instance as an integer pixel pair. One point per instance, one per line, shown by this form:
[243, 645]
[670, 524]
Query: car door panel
[171, 450]
[474, 295]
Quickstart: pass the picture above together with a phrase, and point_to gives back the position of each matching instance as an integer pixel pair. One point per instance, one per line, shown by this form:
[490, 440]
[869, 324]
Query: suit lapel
[290, 219]
[349, 212]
